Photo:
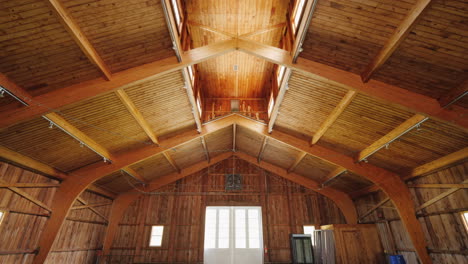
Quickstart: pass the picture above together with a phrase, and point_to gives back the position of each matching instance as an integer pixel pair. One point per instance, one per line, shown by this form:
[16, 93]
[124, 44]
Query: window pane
[156, 236]
[223, 228]
[240, 228]
[254, 243]
[309, 230]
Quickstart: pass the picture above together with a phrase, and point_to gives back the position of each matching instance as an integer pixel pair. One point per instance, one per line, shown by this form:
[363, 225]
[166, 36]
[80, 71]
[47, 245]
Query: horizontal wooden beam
[384, 201]
[391, 136]
[333, 116]
[78, 135]
[27, 196]
[402, 98]
[30, 163]
[135, 174]
[84, 202]
[171, 161]
[131, 107]
[29, 185]
[396, 39]
[43, 104]
[439, 185]
[298, 160]
[89, 206]
[439, 197]
[333, 175]
[73, 29]
[101, 191]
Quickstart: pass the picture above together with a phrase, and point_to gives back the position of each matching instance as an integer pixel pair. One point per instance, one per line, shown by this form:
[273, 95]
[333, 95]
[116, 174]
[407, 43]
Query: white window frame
[156, 235]
[307, 230]
[298, 10]
[464, 216]
[177, 13]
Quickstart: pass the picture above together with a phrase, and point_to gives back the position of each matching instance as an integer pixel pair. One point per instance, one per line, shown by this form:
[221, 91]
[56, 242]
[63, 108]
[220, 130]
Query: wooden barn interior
[131, 130]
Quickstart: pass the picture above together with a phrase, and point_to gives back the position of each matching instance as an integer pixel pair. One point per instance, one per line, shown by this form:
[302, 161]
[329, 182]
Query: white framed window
[191, 71]
[271, 103]
[464, 216]
[309, 230]
[297, 14]
[156, 236]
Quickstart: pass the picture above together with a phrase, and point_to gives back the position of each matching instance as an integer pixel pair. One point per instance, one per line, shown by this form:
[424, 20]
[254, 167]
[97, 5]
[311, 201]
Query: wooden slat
[396, 39]
[439, 185]
[333, 174]
[85, 90]
[262, 149]
[137, 115]
[171, 161]
[298, 160]
[455, 94]
[29, 185]
[390, 136]
[76, 133]
[79, 37]
[205, 149]
[32, 164]
[439, 197]
[89, 206]
[333, 116]
[84, 202]
[404, 99]
[27, 196]
[279, 99]
[374, 208]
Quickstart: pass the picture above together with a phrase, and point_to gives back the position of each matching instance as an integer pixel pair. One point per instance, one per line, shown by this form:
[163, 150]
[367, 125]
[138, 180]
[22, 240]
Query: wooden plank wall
[80, 237]
[445, 233]
[286, 207]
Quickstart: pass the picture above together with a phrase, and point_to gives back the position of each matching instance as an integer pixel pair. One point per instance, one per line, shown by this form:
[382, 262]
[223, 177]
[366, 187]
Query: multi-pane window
[217, 228]
[247, 228]
[297, 14]
[156, 236]
[175, 7]
[464, 216]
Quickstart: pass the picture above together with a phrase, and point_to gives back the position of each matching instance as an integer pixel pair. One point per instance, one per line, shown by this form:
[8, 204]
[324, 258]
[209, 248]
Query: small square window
[156, 236]
[310, 230]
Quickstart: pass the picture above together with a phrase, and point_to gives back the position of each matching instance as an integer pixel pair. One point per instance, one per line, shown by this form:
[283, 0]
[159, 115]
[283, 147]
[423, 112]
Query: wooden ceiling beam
[396, 39]
[29, 185]
[279, 99]
[342, 200]
[454, 95]
[55, 99]
[131, 107]
[402, 98]
[298, 160]
[78, 135]
[89, 206]
[30, 163]
[349, 96]
[74, 30]
[391, 136]
[101, 191]
[171, 161]
[333, 175]
[263, 30]
[262, 149]
[439, 185]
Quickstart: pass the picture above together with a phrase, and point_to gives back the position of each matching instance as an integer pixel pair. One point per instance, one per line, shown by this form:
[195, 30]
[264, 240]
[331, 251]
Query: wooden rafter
[454, 95]
[78, 207]
[298, 160]
[78, 134]
[171, 161]
[88, 89]
[246, 35]
[388, 181]
[402, 98]
[30, 163]
[262, 149]
[72, 27]
[101, 191]
[396, 39]
[439, 185]
[205, 148]
[391, 136]
[263, 30]
[27, 196]
[279, 99]
[131, 107]
[191, 97]
[333, 116]
[439, 197]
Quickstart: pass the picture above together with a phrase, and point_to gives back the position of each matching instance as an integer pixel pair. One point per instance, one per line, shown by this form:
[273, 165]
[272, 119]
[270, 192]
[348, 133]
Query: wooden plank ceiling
[39, 55]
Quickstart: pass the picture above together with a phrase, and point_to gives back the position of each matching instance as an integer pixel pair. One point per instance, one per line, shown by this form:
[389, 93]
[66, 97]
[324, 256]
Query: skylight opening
[156, 236]
[297, 14]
